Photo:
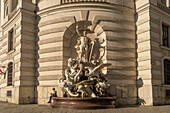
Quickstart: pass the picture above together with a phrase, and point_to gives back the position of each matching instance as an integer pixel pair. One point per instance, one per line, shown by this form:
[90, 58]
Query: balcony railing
[72, 1]
[163, 7]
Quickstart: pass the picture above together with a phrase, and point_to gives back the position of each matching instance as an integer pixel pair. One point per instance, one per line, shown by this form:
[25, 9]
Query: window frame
[5, 9]
[166, 23]
[15, 4]
[164, 2]
[166, 82]
[10, 74]
[11, 40]
[165, 35]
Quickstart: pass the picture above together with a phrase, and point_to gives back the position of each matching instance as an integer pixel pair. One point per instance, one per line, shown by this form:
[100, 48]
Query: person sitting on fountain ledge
[54, 94]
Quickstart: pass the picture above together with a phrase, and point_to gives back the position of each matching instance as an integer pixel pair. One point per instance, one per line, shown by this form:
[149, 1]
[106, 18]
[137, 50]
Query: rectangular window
[167, 72]
[11, 40]
[165, 36]
[9, 93]
[10, 73]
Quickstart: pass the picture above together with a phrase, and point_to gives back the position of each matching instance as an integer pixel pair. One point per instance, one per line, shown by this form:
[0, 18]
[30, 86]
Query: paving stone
[34, 108]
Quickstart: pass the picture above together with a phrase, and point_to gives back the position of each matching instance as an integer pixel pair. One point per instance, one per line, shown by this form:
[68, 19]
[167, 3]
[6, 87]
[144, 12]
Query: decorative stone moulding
[72, 1]
[163, 7]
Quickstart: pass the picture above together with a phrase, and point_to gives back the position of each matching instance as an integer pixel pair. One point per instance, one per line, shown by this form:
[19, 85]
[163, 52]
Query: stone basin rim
[85, 98]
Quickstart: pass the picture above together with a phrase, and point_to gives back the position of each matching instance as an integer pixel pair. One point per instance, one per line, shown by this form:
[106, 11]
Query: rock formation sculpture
[83, 78]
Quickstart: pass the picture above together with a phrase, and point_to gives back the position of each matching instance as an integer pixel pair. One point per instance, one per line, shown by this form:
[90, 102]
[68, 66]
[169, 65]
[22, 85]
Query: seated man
[54, 94]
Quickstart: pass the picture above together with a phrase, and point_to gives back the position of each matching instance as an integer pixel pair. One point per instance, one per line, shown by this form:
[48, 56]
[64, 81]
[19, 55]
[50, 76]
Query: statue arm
[81, 68]
[98, 68]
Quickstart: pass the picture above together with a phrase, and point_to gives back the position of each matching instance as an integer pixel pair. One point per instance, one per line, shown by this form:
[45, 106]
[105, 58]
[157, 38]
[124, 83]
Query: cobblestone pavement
[34, 108]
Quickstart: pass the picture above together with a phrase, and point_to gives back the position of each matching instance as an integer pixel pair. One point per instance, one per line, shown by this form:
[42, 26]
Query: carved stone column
[10, 6]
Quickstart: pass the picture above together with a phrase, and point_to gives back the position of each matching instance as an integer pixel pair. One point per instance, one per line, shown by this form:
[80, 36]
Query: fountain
[84, 86]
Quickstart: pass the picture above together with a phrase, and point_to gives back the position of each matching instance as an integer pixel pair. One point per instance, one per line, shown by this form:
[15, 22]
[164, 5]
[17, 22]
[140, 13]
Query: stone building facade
[38, 36]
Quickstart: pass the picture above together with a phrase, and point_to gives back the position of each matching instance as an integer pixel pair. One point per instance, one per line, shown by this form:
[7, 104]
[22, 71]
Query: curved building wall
[111, 20]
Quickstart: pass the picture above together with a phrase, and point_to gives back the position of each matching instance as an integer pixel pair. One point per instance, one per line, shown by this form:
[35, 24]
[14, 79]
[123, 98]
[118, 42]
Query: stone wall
[22, 21]
[144, 74]
[114, 22]
[150, 17]
[131, 34]
[8, 57]
[158, 17]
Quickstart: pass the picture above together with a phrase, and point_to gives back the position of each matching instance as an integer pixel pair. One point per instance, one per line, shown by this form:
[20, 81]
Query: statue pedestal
[84, 103]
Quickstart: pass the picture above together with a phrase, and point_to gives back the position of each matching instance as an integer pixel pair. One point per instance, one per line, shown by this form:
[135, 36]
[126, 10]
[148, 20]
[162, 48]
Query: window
[10, 73]
[165, 36]
[11, 40]
[14, 4]
[9, 93]
[9, 6]
[166, 71]
[5, 9]
[164, 2]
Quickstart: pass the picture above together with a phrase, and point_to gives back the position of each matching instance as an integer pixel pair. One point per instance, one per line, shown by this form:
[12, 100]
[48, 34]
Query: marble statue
[83, 46]
[83, 78]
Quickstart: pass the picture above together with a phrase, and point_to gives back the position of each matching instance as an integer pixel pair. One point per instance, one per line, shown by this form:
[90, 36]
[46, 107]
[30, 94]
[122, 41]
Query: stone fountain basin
[84, 103]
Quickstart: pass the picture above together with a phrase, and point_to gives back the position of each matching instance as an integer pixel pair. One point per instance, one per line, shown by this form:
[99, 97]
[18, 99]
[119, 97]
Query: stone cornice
[159, 11]
[143, 8]
[16, 16]
[153, 7]
[163, 7]
[77, 6]
[11, 19]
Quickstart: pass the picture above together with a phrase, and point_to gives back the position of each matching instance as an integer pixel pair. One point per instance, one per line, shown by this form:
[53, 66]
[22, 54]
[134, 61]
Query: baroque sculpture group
[84, 78]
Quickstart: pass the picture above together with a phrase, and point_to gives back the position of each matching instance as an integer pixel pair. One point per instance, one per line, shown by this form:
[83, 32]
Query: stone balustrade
[72, 1]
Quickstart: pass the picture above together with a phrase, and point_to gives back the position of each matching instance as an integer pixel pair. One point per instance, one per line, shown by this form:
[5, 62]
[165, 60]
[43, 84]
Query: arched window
[14, 4]
[166, 72]
[10, 74]
[5, 11]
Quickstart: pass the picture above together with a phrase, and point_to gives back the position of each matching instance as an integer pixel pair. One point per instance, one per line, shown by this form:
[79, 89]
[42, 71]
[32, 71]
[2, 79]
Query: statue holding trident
[84, 84]
[83, 77]
[83, 46]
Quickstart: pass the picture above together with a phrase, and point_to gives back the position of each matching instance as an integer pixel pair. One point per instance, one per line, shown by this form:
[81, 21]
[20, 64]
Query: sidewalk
[34, 108]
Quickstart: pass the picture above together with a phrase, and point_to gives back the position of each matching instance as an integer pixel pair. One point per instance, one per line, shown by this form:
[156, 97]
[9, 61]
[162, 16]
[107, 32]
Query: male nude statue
[82, 46]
